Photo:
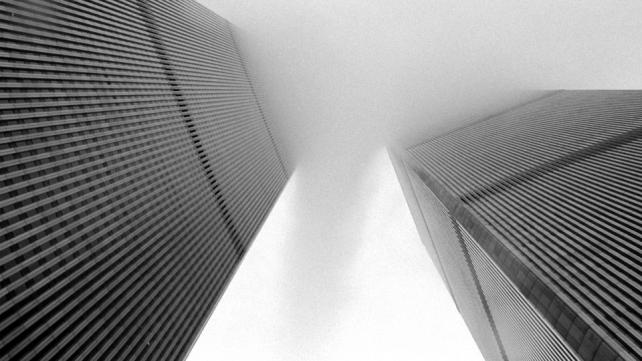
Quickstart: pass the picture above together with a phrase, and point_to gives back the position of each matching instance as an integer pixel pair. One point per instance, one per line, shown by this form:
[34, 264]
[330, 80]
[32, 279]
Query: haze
[339, 80]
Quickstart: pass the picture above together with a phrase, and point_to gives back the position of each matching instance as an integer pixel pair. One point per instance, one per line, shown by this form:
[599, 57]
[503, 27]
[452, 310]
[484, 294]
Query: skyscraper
[136, 168]
[533, 218]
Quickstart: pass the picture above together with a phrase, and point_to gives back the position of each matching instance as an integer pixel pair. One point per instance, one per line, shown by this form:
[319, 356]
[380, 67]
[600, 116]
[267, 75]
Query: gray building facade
[136, 168]
[534, 220]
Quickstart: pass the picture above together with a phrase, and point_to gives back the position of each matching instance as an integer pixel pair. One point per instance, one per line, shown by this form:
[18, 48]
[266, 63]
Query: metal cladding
[136, 168]
[548, 198]
[457, 271]
[524, 334]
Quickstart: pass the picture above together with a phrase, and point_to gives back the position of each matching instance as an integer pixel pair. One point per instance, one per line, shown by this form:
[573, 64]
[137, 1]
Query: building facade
[534, 220]
[136, 168]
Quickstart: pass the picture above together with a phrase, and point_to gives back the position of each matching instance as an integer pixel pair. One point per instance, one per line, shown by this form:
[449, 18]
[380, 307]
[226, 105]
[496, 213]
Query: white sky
[299, 296]
[338, 271]
[352, 75]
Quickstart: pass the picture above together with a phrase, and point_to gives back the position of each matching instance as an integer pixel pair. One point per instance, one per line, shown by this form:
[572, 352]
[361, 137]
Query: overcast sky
[349, 75]
[341, 79]
[300, 295]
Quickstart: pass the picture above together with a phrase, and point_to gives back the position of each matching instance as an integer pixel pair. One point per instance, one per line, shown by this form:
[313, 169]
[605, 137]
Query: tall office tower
[136, 168]
[534, 219]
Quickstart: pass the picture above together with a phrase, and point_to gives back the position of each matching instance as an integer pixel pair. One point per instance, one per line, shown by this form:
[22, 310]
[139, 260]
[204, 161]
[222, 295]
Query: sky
[298, 295]
[346, 76]
[338, 270]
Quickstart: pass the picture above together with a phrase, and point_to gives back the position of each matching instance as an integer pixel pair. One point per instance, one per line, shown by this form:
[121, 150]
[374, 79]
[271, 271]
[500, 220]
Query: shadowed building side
[136, 169]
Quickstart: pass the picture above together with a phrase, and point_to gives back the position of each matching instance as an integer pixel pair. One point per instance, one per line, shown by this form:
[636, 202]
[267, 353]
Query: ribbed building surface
[457, 272]
[136, 168]
[549, 196]
[524, 334]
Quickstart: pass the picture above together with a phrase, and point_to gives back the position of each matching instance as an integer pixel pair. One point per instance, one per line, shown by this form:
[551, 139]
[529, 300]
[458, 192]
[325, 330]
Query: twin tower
[534, 219]
[136, 168]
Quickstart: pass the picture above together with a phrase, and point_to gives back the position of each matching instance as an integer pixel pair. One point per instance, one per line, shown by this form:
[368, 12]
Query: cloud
[353, 75]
